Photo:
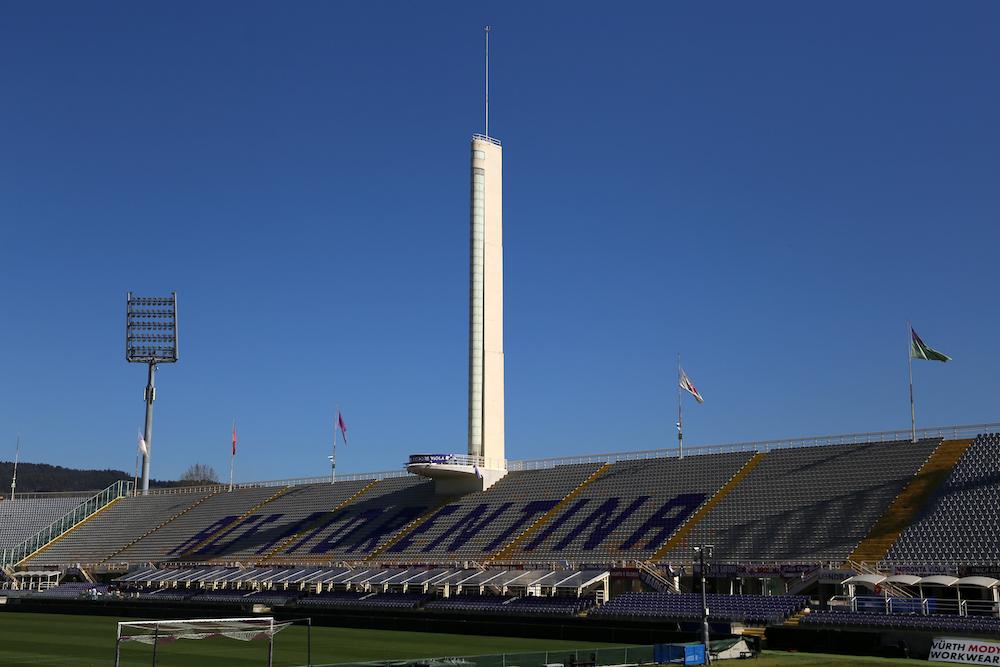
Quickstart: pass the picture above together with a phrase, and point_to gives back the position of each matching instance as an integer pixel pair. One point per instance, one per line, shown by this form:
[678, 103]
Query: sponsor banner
[760, 570]
[433, 458]
[798, 570]
[964, 651]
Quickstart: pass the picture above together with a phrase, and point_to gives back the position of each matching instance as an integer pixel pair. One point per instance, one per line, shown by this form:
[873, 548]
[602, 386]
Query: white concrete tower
[485, 463]
[486, 393]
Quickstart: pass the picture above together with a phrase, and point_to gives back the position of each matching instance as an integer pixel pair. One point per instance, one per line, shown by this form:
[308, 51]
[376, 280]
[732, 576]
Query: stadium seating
[265, 528]
[814, 503]
[960, 526]
[217, 511]
[21, 518]
[972, 625]
[477, 525]
[357, 530]
[73, 590]
[797, 504]
[630, 510]
[115, 527]
[750, 609]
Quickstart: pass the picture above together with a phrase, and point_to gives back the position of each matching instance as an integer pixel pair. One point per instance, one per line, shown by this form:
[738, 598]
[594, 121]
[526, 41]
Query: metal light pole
[704, 598]
[150, 338]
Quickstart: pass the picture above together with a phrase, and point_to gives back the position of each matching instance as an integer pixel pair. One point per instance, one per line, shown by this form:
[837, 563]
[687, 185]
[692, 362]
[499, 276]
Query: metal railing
[290, 481]
[457, 459]
[953, 432]
[483, 137]
[877, 604]
[68, 521]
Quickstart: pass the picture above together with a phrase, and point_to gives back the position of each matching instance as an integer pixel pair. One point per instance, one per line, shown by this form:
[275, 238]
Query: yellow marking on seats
[153, 530]
[232, 526]
[507, 549]
[291, 538]
[41, 549]
[406, 530]
[909, 502]
[681, 534]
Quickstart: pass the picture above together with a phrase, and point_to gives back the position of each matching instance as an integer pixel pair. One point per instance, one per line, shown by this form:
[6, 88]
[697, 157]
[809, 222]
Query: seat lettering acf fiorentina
[586, 524]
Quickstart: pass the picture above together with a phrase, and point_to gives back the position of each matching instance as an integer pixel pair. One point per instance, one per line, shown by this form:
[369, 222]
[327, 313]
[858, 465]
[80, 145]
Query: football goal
[259, 628]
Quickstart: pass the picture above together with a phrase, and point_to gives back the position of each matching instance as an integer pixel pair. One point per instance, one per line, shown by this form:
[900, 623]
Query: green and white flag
[918, 350]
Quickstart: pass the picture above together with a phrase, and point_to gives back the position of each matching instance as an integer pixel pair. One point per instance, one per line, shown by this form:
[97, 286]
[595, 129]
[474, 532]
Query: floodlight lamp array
[151, 329]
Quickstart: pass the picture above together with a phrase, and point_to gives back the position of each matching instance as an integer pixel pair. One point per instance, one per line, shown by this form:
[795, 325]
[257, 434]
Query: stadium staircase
[406, 530]
[909, 502]
[59, 528]
[164, 523]
[272, 556]
[506, 550]
[655, 579]
[231, 526]
[795, 618]
[680, 535]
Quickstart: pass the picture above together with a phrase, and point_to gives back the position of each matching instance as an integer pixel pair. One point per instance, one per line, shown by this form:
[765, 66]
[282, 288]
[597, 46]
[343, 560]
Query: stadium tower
[485, 462]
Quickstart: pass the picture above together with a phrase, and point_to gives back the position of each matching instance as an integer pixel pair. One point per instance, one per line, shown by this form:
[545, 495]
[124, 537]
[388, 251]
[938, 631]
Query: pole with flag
[140, 450]
[680, 419]
[338, 423]
[918, 350]
[232, 457]
[17, 456]
[683, 383]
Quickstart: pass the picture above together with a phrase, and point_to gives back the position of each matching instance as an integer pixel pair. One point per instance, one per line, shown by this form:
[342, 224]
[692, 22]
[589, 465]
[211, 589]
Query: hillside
[36, 477]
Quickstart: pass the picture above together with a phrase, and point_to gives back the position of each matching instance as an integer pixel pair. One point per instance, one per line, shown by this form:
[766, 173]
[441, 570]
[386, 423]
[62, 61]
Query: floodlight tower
[150, 338]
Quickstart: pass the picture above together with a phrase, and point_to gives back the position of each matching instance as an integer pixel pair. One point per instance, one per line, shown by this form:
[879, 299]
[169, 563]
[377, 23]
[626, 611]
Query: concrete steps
[679, 537]
[272, 555]
[506, 550]
[240, 519]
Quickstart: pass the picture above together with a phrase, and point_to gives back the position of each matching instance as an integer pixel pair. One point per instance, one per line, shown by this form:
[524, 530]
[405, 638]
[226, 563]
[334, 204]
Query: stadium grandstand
[871, 532]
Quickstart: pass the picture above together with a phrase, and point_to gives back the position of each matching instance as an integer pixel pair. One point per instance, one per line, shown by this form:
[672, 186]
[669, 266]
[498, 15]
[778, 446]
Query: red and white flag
[341, 425]
[234, 437]
[689, 387]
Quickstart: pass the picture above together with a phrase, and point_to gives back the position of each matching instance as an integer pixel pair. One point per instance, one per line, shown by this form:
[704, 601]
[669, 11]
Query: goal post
[154, 633]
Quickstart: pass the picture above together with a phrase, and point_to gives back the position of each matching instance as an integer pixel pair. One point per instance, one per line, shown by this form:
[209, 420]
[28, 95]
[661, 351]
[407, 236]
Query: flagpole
[232, 456]
[909, 360]
[333, 459]
[17, 457]
[680, 420]
[135, 477]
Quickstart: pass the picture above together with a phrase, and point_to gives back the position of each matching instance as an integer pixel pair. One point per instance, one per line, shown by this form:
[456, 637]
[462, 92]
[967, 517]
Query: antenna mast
[487, 30]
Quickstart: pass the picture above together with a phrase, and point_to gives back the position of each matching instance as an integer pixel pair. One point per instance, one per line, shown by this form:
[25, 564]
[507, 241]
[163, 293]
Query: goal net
[155, 633]
[243, 629]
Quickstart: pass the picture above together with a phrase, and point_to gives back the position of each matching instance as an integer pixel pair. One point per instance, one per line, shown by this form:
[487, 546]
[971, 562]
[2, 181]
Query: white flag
[689, 387]
[142, 446]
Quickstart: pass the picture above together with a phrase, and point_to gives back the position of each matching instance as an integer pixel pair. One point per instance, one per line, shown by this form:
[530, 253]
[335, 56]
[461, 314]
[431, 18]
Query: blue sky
[771, 189]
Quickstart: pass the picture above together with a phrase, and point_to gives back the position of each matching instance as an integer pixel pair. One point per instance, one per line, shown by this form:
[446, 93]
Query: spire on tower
[487, 30]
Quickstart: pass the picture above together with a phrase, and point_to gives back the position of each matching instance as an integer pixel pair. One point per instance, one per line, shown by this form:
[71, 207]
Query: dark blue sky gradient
[770, 188]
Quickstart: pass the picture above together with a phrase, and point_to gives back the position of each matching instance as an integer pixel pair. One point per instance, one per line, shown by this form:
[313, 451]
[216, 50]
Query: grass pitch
[56, 640]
